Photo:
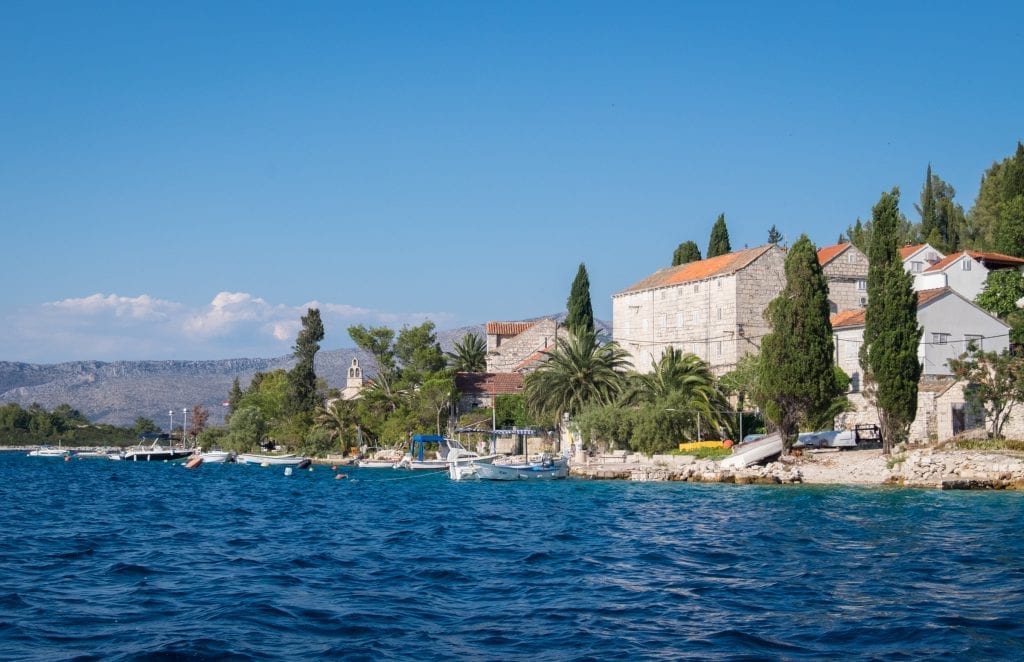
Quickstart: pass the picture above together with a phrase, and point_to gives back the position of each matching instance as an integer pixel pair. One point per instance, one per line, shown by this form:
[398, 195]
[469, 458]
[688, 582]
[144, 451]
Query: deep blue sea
[113, 560]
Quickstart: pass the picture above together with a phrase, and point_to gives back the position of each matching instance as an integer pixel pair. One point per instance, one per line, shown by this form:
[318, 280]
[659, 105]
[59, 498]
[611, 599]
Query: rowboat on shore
[744, 455]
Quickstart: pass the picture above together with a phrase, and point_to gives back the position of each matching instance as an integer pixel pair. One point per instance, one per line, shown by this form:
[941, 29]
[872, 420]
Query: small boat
[377, 463]
[270, 460]
[194, 462]
[447, 452]
[49, 451]
[154, 451]
[217, 457]
[548, 468]
[744, 455]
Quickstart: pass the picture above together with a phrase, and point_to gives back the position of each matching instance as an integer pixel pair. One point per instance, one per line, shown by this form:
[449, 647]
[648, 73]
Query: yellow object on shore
[694, 445]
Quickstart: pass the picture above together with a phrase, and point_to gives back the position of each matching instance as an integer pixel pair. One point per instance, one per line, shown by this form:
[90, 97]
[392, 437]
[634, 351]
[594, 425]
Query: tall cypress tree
[719, 242]
[581, 314]
[774, 236]
[796, 375]
[927, 206]
[302, 397]
[891, 332]
[685, 253]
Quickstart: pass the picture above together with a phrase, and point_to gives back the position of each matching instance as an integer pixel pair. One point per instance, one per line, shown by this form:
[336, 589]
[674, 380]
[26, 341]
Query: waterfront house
[712, 308]
[479, 389]
[519, 346]
[965, 271]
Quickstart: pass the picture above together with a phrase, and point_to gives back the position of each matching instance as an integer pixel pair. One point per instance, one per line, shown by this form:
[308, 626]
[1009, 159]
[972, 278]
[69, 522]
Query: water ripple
[102, 560]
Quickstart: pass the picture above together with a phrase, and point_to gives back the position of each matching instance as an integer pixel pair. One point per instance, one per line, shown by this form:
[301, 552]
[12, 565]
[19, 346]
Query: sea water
[113, 560]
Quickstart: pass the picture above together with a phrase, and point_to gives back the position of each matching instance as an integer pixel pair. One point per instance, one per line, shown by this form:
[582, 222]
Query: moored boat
[150, 449]
[49, 451]
[271, 460]
[548, 468]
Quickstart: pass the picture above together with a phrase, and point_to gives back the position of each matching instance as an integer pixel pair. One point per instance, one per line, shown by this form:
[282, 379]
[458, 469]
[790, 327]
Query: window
[966, 264]
[718, 348]
[855, 382]
[664, 294]
[696, 288]
[719, 283]
[916, 267]
[940, 338]
[851, 258]
[971, 339]
[862, 286]
[719, 313]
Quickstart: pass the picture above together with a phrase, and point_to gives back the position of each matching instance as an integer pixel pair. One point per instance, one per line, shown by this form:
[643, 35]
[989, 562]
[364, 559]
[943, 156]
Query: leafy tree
[1009, 237]
[579, 371]
[719, 242]
[996, 383]
[840, 403]
[377, 341]
[612, 426]
[419, 352]
[860, 234]
[580, 317]
[510, 411]
[774, 236]
[248, 428]
[435, 396]
[339, 418]
[234, 397]
[1003, 289]
[469, 355]
[891, 332]
[685, 253]
[796, 369]
[302, 393]
[1000, 184]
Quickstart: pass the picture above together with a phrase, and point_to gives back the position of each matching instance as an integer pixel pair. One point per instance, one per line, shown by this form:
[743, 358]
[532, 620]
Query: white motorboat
[217, 457]
[449, 451]
[49, 451]
[744, 455]
[547, 468]
[271, 460]
[151, 449]
[376, 463]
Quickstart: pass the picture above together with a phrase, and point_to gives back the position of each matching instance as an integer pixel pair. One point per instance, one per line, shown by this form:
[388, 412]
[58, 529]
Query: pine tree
[1000, 184]
[685, 253]
[891, 332]
[719, 242]
[302, 396]
[797, 380]
[234, 397]
[775, 237]
[581, 314]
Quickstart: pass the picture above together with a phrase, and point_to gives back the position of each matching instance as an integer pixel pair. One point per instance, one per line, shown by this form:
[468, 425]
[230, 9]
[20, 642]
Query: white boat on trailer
[744, 455]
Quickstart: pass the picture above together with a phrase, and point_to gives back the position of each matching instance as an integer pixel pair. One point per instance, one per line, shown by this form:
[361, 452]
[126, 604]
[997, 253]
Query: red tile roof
[530, 360]
[507, 328]
[829, 253]
[715, 266]
[489, 383]
[988, 259]
[907, 251]
[852, 318]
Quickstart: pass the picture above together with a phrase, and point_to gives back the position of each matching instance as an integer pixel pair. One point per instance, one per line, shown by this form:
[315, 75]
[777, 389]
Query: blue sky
[182, 180]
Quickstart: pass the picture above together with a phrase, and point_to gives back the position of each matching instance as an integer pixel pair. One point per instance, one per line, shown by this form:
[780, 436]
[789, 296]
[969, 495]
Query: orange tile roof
[829, 253]
[536, 357]
[507, 328]
[489, 383]
[993, 259]
[848, 318]
[907, 251]
[715, 266]
[851, 318]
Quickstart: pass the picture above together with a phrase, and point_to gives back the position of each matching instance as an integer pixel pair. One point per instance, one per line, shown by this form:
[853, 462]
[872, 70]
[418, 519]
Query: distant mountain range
[118, 392]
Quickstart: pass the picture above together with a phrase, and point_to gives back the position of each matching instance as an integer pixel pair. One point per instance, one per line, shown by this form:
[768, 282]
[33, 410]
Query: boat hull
[753, 452]
[156, 455]
[510, 472]
[273, 460]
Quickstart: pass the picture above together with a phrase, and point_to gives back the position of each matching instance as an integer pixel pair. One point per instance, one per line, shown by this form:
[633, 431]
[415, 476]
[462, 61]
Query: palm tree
[578, 371]
[684, 382]
[470, 354]
[338, 418]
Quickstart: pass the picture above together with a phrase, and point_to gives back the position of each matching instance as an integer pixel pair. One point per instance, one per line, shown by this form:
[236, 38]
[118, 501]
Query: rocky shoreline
[924, 468]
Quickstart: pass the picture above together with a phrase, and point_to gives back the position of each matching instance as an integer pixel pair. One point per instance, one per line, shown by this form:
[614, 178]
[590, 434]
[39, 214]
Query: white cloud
[109, 327]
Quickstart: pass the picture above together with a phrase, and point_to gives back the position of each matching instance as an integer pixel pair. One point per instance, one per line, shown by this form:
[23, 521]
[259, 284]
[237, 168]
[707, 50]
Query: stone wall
[846, 274]
[513, 351]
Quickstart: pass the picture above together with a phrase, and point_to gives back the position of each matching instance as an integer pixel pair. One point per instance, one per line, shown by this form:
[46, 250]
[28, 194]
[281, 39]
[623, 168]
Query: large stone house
[846, 271]
[713, 308]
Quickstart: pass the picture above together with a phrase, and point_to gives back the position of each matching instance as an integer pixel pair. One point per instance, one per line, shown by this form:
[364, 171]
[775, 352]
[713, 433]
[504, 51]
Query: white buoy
[287, 471]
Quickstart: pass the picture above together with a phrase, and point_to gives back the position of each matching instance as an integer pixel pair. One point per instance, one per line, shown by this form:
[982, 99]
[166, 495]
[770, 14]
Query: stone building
[479, 389]
[713, 308]
[518, 346]
[846, 272]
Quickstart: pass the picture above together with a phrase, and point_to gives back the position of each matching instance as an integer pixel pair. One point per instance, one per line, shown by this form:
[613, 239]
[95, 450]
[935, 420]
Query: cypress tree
[302, 397]
[719, 242]
[891, 332]
[685, 253]
[927, 207]
[775, 237]
[796, 366]
[581, 314]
